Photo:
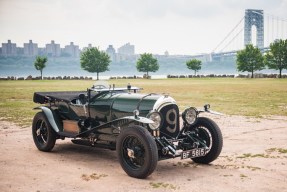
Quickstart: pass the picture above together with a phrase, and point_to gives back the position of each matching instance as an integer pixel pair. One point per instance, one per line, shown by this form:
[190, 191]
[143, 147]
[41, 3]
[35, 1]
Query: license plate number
[199, 152]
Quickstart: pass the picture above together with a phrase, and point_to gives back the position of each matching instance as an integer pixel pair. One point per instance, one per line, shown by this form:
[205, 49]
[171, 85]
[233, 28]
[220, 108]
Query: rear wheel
[137, 151]
[43, 134]
[209, 133]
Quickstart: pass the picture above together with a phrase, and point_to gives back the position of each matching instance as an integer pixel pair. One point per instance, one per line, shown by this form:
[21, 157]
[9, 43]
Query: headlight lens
[189, 115]
[156, 118]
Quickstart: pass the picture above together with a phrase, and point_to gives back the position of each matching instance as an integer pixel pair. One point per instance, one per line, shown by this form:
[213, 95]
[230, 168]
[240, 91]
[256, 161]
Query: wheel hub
[131, 153]
[38, 132]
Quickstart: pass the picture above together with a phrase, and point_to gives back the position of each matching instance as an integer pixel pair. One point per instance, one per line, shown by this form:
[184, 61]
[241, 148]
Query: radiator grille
[170, 126]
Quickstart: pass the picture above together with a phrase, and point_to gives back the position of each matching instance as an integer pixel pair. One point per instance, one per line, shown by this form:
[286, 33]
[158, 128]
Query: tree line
[250, 59]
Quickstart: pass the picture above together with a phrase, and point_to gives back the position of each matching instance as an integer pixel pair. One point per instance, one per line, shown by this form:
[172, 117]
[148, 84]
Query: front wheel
[137, 151]
[43, 134]
[209, 133]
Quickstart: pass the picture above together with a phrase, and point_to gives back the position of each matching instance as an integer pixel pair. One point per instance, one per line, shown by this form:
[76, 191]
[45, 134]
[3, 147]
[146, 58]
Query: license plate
[198, 152]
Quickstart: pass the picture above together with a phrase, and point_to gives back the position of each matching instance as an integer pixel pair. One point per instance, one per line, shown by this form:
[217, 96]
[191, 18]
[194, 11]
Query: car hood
[125, 104]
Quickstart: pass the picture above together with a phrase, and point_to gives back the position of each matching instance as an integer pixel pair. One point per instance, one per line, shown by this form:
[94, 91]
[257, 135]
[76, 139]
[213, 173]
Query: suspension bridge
[255, 27]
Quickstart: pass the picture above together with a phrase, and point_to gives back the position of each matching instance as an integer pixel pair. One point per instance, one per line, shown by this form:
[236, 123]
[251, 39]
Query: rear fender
[51, 117]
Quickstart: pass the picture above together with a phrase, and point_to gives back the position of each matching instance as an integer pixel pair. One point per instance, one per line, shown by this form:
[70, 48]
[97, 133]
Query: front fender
[139, 119]
[51, 117]
[206, 108]
[106, 128]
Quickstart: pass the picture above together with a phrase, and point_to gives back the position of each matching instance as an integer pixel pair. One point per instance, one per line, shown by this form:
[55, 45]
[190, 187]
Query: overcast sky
[178, 26]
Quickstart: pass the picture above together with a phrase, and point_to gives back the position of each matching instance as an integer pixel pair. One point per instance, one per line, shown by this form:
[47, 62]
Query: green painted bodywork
[111, 106]
[52, 118]
[107, 107]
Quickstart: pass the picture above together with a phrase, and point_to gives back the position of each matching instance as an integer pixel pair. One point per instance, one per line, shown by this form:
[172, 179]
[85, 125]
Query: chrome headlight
[189, 115]
[156, 118]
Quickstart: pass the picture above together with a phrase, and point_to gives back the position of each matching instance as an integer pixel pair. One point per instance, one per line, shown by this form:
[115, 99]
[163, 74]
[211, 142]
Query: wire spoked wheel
[205, 136]
[43, 134]
[209, 133]
[137, 152]
[133, 152]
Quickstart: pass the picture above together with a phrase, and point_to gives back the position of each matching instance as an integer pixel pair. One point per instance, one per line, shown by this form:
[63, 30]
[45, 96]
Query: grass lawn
[250, 97]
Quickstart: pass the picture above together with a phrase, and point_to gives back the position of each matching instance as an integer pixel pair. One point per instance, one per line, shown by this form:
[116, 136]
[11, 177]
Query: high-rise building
[9, 49]
[30, 49]
[127, 50]
[72, 50]
[111, 52]
[53, 49]
[89, 46]
[166, 53]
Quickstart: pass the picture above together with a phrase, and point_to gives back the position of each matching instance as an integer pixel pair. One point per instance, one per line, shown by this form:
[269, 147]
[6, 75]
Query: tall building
[72, 50]
[111, 52]
[127, 50]
[30, 49]
[9, 49]
[166, 53]
[89, 46]
[53, 49]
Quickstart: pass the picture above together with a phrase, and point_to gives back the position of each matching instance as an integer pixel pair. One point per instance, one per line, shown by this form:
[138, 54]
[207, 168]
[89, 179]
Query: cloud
[179, 26]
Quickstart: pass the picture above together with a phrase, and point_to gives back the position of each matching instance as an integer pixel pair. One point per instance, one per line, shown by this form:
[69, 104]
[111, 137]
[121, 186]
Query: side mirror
[83, 99]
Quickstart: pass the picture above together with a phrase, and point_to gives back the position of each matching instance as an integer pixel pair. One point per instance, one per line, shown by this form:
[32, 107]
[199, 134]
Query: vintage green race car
[142, 128]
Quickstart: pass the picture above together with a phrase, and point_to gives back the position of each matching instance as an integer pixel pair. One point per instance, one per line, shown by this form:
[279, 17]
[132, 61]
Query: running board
[67, 134]
[88, 143]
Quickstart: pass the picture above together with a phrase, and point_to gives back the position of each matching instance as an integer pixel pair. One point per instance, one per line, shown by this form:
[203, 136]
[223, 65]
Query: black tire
[137, 151]
[210, 133]
[43, 134]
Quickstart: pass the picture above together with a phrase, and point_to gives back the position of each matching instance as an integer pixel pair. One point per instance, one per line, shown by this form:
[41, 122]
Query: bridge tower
[254, 17]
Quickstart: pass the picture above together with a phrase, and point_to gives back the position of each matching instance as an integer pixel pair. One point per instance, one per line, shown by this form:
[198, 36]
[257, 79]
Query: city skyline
[180, 27]
[54, 49]
[61, 45]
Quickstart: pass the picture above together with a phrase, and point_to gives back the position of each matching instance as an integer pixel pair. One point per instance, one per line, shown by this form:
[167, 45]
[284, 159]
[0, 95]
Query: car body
[142, 128]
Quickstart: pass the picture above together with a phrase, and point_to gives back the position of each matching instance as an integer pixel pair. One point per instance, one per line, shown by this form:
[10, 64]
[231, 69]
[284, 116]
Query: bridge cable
[232, 40]
[229, 34]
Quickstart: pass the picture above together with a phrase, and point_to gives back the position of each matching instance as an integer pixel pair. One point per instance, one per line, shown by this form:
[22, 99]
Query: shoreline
[107, 77]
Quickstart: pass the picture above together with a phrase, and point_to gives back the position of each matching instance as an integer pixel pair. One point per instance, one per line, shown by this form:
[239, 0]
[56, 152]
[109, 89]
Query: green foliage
[147, 63]
[194, 65]
[95, 61]
[71, 65]
[163, 185]
[279, 150]
[40, 64]
[276, 58]
[250, 59]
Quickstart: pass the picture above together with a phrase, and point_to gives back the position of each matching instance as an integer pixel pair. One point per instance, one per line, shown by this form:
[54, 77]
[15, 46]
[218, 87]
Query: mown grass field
[249, 97]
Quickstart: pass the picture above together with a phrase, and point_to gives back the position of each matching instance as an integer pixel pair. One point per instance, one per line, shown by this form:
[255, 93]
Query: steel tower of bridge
[254, 17]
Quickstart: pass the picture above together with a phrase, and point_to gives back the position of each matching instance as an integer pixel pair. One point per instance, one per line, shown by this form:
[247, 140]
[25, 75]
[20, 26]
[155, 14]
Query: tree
[194, 65]
[40, 64]
[147, 63]
[276, 58]
[250, 59]
[95, 61]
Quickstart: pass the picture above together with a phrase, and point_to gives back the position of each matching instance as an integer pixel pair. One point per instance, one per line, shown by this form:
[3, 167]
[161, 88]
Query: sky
[153, 26]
